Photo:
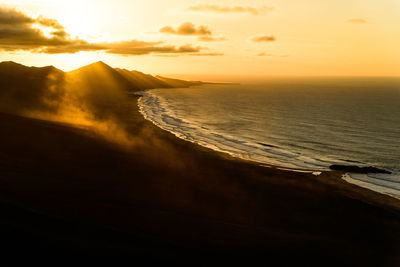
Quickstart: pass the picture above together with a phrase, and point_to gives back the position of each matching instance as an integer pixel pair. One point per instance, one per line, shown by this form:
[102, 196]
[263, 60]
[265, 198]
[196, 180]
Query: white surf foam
[156, 109]
[377, 185]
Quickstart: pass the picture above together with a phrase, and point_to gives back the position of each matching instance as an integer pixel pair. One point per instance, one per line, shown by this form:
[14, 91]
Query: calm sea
[305, 124]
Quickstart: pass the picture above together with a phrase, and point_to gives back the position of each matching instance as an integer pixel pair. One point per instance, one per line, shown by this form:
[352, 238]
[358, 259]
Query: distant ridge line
[132, 80]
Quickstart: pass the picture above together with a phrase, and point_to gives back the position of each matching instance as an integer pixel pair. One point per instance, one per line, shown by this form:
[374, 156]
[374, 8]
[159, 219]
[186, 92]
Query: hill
[175, 83]
[28, 88]
[97, 88]
[143, 81]
[101, 75]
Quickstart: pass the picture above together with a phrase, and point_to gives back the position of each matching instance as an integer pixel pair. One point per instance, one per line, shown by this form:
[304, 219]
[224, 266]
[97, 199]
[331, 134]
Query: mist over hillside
[95, 95]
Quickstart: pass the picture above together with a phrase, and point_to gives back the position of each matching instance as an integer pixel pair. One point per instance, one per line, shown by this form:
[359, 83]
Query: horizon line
[253, 76]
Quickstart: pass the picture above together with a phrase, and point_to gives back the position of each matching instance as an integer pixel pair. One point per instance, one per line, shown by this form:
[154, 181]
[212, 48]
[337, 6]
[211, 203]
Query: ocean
[302, 124]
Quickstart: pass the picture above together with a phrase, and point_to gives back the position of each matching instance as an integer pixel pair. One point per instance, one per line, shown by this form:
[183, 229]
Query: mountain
[143, 81]
[25, 88]
[11, 72]
[99, 74]
[175, 83]
[96, 88]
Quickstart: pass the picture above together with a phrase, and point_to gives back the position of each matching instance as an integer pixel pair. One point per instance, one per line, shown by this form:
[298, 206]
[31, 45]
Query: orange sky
[257, 38]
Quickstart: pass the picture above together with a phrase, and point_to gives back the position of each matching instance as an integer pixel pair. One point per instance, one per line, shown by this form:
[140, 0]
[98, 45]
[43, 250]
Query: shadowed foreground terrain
[135, 193]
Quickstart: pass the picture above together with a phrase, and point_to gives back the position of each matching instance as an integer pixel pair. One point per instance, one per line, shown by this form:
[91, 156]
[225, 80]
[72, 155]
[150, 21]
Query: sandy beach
[69, 192]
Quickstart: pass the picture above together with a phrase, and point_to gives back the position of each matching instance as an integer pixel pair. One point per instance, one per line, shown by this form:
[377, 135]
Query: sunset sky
[194, 38]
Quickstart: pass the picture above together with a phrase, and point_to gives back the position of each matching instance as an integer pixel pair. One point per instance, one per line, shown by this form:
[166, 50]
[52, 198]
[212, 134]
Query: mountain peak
[97, 66]
[10, 63]
[99, 63]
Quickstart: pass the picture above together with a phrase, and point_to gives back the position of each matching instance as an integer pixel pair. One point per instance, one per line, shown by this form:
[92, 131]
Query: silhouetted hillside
[91, 95]
[29, 88]
[100, 74]
[175, 83]
[143, 81]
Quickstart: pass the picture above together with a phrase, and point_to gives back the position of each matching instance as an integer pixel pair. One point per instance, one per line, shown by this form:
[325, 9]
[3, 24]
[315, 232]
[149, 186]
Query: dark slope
[178, 83]
[171, 201]
[143, 81]
[29, 88]
[22, 79]
[100, 74]
[96, 88]
[68, 192]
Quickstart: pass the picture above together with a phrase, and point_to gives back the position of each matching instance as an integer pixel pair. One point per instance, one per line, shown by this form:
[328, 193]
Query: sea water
[302, 124]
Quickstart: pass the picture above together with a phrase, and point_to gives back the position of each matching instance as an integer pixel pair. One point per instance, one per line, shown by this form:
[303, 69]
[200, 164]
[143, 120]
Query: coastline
[337, 175]
[214, 147]
[178, 202]
[153, 108]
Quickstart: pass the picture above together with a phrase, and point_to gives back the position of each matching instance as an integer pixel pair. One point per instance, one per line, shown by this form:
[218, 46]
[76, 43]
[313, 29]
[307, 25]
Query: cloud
[207, 54]
[144, 48]
[21, 32]
[13, 17]
[357, 20]
[126, 48]
[167, 55]
[263, 38]
[264, 55]
[231, 9]
[17, 31]
[210, 39]
[187, 28]
[49, 23]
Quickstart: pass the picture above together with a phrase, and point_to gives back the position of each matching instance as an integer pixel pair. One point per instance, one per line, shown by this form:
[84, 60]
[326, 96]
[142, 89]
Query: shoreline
[210, 147]
[350, 175]
[178, 202]
[337, 175]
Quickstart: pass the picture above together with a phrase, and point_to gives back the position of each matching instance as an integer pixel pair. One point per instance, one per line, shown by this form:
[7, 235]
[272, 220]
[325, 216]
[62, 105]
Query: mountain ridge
[130, 80]
[95, 92]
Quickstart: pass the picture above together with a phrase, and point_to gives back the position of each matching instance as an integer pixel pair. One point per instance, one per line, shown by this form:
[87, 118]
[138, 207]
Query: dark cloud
[18, 32]
[144, 48]
[52, 23]
[263, 38]
[211, 39]
[13, 17]
[357, 20]
[231, 9]
[187, 28]
[72, 47]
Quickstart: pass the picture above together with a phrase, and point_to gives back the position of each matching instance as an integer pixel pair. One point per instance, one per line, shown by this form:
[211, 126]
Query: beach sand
[68, 192]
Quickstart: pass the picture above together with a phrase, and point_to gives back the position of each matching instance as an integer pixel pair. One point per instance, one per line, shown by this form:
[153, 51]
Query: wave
[156, 109]
[387, 184]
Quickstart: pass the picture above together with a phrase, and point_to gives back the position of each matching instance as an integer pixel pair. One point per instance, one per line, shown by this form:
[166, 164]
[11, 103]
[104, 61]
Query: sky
[195, 38]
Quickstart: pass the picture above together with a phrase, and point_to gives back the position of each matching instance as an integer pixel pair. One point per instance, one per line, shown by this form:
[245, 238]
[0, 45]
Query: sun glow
[343, 37]
[47, 31]
[77, 28]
